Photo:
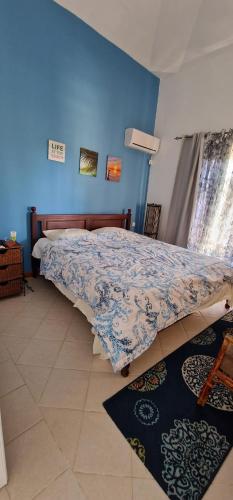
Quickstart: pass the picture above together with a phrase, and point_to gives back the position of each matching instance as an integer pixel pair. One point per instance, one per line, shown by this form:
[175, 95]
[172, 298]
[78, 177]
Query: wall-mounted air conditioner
[139, 140]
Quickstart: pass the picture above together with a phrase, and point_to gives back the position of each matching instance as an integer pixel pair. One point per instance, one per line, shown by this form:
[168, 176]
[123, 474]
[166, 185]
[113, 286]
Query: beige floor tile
[65, 487]
[33, 310]
[33, 461]
[24, 327]
[97, 487]
[138, 468]
[102, 448]
[11, 306]
[147, 489]
[6, 320]
[65, 427]
[218, 491]
[35, 377]
[42, 300]
[193, 324]
[16, 346]
[208, 321]
[4, 354]
[3, 494]
[75, 355]
[10, 378]
[92, 445]
[101, 387]
[40, 353]
[172, 337]
[19, 413]
[149, 358]
[60, 312]
[101, 365]
[66, 389]
[80, 329]
[52, 329]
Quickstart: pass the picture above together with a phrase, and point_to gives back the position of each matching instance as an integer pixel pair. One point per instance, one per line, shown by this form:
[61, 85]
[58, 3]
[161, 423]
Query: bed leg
[227, 305]
[125, 371]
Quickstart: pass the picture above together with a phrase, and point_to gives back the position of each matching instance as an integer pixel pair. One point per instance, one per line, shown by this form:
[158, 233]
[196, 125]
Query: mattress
[134, 286]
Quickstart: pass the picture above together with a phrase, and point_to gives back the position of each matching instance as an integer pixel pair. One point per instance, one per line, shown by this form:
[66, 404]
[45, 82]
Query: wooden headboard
[41, 222]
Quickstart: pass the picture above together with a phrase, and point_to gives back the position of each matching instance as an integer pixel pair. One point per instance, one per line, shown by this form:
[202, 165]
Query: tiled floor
[60, 443]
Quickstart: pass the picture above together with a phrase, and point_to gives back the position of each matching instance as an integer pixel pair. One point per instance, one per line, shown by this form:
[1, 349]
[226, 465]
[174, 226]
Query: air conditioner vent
[140, 140]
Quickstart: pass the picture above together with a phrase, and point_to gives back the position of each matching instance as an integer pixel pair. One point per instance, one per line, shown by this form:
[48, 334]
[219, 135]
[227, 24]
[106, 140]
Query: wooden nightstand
[11, 268]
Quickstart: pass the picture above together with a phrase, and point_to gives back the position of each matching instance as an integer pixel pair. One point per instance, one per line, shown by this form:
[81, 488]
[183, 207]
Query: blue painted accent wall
[61, 80]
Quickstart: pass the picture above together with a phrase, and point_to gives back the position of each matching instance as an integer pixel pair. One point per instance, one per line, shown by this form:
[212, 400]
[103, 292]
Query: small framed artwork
[88, 162]
[113, 169]
[56, 151]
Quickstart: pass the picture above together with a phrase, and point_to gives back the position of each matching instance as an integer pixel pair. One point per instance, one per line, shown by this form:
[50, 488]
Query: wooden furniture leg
[125, 371]
[227, 305]
[213, 375]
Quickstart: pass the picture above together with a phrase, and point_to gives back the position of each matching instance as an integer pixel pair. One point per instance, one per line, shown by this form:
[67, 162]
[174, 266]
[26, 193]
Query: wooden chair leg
[208, 385]
[205, 392]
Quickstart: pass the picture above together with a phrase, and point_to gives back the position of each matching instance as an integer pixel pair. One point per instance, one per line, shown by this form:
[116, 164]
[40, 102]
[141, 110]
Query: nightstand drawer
[10, 256]
[11, 287]
[9, 272]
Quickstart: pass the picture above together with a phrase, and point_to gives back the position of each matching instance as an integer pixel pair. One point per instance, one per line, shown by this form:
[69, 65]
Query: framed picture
[113, 169]
[56, 151]
[88, 162]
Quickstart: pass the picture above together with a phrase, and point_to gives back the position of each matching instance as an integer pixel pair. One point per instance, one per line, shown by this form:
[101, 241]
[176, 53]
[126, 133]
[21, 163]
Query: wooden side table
[11, 268]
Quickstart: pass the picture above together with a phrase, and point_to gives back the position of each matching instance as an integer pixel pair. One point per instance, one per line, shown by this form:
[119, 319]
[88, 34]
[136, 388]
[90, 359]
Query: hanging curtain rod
[190, 136]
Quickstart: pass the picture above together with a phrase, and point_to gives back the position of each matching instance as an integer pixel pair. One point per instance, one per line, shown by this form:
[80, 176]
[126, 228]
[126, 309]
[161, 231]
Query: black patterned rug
[182, 444]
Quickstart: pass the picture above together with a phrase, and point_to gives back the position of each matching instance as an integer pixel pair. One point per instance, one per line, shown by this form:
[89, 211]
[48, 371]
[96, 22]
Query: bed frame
[42, 222]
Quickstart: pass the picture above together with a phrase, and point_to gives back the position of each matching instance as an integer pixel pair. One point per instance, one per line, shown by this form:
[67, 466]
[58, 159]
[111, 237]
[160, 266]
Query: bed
[128, 286]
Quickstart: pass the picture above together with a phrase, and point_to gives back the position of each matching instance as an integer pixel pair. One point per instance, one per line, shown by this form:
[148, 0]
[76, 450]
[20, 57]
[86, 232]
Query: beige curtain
[184, 191]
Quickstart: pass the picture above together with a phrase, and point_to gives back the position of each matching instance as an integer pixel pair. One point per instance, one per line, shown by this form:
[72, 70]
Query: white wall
[199, 98]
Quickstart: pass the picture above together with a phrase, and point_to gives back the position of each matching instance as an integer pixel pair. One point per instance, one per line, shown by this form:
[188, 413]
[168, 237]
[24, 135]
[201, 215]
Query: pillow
[53, 234]
[56, 234]
[75, 232]
[106, 229]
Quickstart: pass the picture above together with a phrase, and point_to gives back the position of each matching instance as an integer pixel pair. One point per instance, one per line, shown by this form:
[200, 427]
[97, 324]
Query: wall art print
[88, 162]
[113, 169]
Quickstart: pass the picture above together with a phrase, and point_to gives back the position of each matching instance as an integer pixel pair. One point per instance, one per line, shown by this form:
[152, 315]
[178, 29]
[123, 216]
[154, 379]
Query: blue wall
[60, 80]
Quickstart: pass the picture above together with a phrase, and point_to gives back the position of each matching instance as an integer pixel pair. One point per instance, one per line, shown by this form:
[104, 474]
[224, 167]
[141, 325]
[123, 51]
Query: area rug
[182, 444]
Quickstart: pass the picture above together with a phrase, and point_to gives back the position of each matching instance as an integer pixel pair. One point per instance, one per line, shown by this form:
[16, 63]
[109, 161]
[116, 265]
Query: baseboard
[28, 274]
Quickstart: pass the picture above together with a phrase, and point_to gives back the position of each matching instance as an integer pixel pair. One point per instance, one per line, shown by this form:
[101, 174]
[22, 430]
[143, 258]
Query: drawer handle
[4, 283]
[3, 267]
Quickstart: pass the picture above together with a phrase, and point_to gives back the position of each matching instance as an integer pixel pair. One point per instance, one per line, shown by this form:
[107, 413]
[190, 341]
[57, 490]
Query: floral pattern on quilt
[135, 286]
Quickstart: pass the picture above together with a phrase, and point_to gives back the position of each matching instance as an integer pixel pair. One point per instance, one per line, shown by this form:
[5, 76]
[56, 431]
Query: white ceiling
[162, 35]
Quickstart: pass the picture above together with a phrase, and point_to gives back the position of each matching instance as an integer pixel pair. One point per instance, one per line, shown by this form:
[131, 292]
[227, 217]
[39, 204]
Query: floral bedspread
[135, 286]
